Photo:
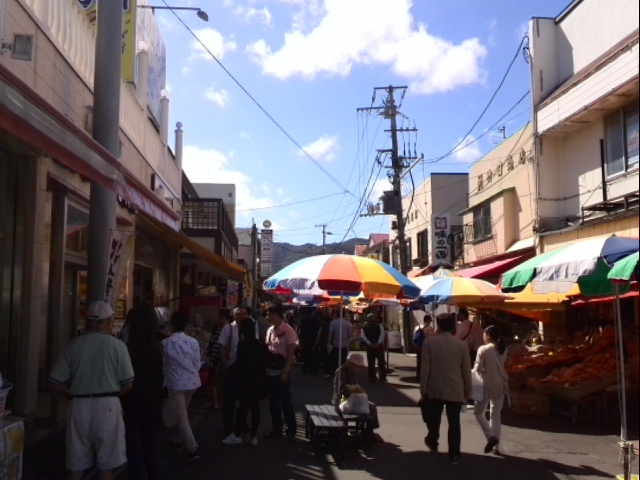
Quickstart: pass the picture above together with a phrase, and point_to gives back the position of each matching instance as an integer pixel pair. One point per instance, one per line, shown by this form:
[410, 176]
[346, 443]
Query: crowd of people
[120, 391]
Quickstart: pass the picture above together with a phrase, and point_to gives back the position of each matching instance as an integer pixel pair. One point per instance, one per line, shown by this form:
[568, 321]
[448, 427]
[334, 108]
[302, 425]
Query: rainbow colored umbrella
[461, 290]
[344, 275]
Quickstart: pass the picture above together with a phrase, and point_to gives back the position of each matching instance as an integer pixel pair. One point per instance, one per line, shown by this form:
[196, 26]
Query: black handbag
[275, 361]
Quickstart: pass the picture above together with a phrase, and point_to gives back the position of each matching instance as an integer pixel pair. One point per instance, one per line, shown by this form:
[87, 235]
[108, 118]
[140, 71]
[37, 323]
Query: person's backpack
[418, 339]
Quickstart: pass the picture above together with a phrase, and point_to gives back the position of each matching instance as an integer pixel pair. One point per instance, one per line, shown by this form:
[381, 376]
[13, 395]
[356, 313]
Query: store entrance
[142, 285]
[51, 409]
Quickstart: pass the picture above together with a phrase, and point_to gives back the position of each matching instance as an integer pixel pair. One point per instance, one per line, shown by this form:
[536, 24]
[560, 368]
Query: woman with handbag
[489, 366]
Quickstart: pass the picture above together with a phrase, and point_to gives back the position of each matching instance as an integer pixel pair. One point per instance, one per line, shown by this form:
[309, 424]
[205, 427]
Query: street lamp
[199, 12]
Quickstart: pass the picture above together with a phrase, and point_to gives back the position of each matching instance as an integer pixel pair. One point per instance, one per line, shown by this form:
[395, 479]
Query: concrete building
[584, 84]
[432, 221]
[498, 222]
[48, 159]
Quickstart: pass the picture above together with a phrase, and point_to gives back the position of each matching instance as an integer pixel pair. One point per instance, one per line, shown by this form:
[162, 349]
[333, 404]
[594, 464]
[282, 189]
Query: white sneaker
[232, 440]
[253, 441]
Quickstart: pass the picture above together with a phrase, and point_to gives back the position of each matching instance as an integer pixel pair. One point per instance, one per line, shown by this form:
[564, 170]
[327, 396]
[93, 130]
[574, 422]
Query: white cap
[99, 311]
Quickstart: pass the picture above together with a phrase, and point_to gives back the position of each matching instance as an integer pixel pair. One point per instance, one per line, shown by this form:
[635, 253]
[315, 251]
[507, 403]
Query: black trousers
[433, 415]
[373, 355]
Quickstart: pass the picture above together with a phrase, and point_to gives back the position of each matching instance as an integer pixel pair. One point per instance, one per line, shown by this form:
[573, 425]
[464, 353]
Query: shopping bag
[356, 404]
[477, 387]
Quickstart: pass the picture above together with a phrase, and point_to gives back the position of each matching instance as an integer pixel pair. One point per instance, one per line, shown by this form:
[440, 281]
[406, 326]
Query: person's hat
[356, 359]
[99, 311]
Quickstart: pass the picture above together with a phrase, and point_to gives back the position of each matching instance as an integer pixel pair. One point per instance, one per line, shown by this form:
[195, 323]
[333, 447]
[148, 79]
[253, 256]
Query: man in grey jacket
[445, 383]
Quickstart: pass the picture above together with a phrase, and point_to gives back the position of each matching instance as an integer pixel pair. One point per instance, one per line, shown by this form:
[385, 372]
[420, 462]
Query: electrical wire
[495, 93]
[259, 105]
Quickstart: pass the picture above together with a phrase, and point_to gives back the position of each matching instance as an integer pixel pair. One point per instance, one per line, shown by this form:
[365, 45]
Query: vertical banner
[119, 252]
[441, 247]
[129, 8]
[266, 252]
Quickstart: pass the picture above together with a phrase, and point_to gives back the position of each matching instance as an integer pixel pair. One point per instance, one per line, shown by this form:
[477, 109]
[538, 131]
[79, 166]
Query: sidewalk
[540, 448]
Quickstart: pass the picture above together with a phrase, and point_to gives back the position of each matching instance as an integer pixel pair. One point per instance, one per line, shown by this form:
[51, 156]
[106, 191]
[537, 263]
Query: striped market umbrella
[343, 275]
[461, 290]
[625, 269]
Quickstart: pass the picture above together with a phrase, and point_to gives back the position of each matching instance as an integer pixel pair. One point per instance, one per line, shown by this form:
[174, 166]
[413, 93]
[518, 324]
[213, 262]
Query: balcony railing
[480, 229]
[205, 216]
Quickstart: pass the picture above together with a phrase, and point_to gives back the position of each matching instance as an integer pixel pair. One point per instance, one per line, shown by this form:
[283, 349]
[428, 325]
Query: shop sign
[441, 247]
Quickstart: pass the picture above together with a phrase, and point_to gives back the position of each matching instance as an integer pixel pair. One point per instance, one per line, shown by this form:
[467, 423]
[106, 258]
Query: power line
[259, 105]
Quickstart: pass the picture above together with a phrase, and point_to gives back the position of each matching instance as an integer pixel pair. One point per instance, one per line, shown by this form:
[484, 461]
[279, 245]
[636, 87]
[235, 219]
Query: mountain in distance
[285, 254]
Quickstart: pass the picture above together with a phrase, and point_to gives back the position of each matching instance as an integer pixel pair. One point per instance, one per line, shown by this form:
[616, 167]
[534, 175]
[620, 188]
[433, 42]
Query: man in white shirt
[470, 332]
[339, 333]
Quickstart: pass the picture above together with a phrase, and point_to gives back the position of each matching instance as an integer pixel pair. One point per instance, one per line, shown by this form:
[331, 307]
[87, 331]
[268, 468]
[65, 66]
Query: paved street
[540, 448]
[535, 447]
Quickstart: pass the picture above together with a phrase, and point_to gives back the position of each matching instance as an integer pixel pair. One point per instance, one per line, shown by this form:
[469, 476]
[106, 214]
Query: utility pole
[390, 111]
[324, 237]
[254, 264]
[106, 130]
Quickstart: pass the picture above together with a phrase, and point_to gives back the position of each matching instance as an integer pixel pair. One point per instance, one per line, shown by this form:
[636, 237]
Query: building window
[621, 140]
[423, 244]
[77, 231]
[482, 222]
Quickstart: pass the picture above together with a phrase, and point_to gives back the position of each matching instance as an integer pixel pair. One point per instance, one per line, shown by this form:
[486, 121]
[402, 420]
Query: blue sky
[310, 64]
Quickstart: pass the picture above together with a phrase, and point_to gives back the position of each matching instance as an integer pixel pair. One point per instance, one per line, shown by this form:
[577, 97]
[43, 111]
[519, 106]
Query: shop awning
[226, 268]
[587, 300]
[492, 269]
[527, 300]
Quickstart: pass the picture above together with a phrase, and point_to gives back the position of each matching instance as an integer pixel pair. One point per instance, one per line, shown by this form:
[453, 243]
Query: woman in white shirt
[182, 379]
[490, 366]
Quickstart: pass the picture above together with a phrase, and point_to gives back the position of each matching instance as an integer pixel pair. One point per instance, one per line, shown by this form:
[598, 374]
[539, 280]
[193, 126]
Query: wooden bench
[325, 429]
[362, 426]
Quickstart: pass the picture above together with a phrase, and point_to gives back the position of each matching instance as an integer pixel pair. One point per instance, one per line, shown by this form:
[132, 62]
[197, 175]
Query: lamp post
[199, 12]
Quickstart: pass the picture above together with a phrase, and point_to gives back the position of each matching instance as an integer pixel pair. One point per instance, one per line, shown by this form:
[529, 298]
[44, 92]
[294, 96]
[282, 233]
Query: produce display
[587, 355]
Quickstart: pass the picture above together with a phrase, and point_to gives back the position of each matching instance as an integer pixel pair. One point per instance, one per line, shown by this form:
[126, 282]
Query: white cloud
[248, 14]
[219, 97]
[212, 166]
[468, 151]
[245, 135]
[214, 41]
[324, 148]
[380, 36]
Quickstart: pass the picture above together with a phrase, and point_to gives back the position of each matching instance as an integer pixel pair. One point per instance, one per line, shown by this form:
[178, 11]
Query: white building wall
[223, 191]
[440, 193]
[595, 26]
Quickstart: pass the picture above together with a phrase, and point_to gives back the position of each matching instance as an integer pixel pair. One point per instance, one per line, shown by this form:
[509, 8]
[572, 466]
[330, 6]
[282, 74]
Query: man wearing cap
[373, 338]
[93, 371]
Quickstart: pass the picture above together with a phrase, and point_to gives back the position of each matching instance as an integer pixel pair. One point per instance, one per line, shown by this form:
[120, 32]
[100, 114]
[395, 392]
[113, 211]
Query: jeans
[373, 355]
[433, 413]
[280, 405]
[493, 427]
[142, 456]
[180, 400]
